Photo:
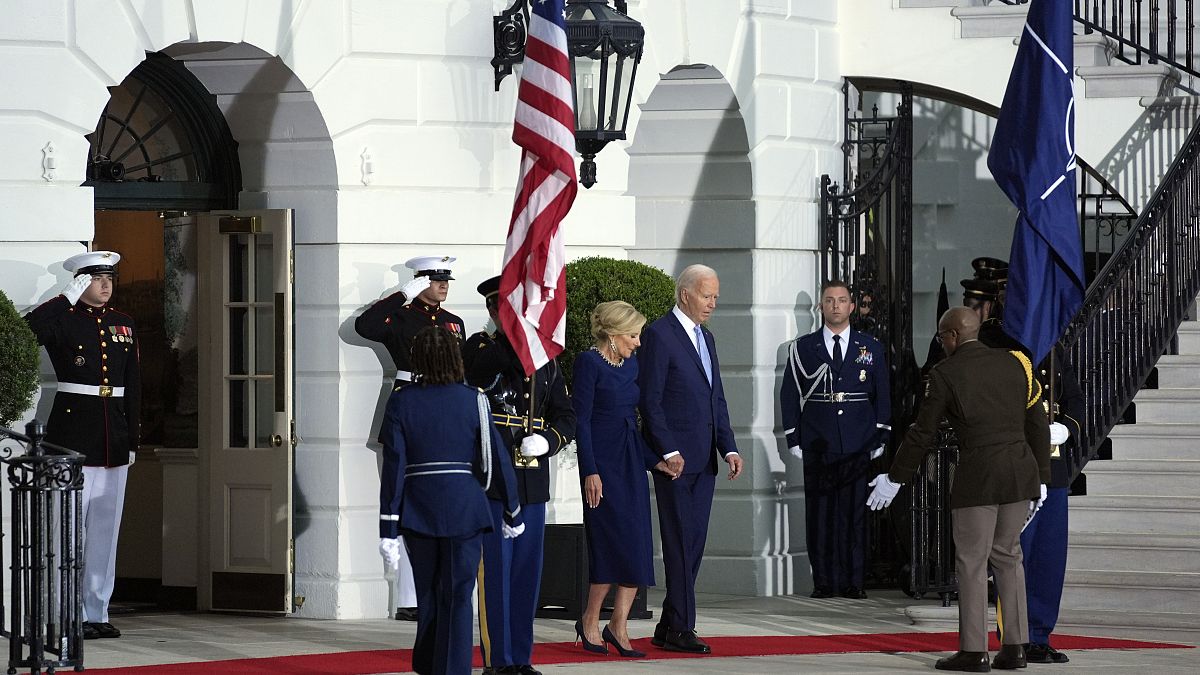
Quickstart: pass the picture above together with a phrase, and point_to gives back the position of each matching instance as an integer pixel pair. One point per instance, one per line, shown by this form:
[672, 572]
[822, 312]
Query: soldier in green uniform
[993, 401]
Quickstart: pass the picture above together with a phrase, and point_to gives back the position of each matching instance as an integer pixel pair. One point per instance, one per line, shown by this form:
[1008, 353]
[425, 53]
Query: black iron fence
[44, 626]
[930, 540]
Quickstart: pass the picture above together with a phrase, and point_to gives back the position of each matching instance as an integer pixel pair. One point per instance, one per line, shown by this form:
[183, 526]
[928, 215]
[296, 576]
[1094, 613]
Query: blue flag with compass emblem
[1033, 160]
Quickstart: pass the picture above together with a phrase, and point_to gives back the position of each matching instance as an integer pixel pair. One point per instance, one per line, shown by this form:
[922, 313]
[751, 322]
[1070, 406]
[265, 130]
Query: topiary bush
[591, 281]
[18, 363]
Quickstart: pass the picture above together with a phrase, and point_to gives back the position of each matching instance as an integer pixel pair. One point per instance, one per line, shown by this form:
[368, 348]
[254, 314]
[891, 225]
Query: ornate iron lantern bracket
[509, 31]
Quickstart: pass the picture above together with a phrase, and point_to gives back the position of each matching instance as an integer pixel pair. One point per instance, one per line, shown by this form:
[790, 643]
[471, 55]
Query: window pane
[239, 414]
[264, 340]
[263, 268]
[238, 244]
[239, 348]
[264, 410]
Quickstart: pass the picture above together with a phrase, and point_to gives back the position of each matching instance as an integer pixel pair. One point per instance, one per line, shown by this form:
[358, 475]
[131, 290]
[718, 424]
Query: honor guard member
[394, 321]
[440, 453]
[836, 409]
[94, 350]
[1044, 540]
[512, 568]
[984, 294]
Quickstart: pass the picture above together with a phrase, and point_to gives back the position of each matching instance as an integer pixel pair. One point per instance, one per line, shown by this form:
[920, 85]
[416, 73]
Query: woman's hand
[593, 490]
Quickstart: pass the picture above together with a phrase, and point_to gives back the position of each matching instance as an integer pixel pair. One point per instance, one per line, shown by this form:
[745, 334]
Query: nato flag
[1033, 161]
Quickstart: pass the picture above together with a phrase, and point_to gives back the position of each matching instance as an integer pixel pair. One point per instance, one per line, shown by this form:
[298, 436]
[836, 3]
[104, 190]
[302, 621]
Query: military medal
[862, 376]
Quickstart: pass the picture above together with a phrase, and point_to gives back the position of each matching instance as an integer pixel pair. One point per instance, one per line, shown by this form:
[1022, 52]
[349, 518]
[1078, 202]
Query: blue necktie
[837, 352]
[705, 359]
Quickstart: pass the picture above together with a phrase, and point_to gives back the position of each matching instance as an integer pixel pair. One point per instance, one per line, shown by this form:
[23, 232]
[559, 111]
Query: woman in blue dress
[613, 460]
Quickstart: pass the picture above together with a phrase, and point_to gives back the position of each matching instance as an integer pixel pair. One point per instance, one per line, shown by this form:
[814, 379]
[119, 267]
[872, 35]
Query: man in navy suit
[686, 422]
[836, 411]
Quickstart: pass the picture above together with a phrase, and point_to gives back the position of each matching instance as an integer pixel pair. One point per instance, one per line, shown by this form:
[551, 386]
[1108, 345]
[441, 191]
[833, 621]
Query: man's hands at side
[734, 461]
[389, 548]
[884, 492]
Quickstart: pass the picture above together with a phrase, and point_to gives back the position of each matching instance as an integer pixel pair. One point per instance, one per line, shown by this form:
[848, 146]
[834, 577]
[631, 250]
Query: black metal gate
[866, 241]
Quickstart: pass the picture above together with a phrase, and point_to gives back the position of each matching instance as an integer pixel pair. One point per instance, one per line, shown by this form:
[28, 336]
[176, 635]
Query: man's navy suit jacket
[681, 412]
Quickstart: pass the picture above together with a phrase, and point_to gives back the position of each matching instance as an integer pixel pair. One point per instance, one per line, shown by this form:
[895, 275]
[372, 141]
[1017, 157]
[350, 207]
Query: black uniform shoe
[685, 641]
[525, 670]
[660, 635]
[854, 592]
[406, 613]
[821, 592]
[1038, 653]
[971, 662]
[100, 630]
[1010, 657]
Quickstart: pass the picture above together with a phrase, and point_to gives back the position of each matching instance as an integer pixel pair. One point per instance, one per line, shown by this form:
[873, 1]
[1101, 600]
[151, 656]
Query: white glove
[1059, 434]
[511, 532]
[534, 445]
[796, 452]
[389, 548]
[877, 453]
[75, 287]
[413, 288]
[1041, 500]
[884, 492]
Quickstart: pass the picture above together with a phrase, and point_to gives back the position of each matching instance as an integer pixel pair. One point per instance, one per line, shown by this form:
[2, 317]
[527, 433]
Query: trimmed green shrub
[18, 363]
[591, 281]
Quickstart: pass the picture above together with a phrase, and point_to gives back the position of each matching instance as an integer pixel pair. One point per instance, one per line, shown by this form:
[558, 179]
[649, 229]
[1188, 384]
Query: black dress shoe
[406, 613]
[660, 635]
[90, 632]
[821, 592]
[1010, 657]
[971, 662]
[524, 670]
[102, 630]
[1039, 653]
[685, 641]
[854, 592]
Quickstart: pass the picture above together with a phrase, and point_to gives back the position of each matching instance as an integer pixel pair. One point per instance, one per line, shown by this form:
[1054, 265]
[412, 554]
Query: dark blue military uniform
[392, 322]
[93, 349]
[512, 568]
[836, 414]
[435, 474]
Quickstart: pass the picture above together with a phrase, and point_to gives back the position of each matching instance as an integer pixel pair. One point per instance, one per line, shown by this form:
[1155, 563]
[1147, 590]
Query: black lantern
[605, 46]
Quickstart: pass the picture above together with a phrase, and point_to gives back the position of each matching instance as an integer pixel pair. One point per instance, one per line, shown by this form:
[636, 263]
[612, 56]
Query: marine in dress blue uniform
[837, 413]
[394, 321]
[511, 575]
[432, 490]
[94, 350]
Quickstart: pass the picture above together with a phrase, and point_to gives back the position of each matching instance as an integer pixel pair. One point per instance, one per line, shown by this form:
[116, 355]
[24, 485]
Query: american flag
[533, 292]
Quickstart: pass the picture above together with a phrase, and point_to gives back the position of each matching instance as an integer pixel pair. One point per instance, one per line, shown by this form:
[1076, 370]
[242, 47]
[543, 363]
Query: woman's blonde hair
[616, 317]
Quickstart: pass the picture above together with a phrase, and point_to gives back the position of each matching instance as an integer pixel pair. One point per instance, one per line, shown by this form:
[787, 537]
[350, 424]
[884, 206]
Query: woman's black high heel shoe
[589, 646]
[627, 653]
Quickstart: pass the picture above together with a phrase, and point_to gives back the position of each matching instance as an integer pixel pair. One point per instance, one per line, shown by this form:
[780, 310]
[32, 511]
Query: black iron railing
[1135, 306]
[45, 625]
[1143, 31]
[932, 546]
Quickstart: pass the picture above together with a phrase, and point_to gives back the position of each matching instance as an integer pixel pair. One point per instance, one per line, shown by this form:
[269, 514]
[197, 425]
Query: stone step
[995, 20]
[1135, 514]
[1189, 338]
[1170, 406]
[1133, 551]
[1170, 592]
[1153, 441]
[907, 4]
[1157, 626]
[1115, 81]
[1179, 371]
[1148, 477]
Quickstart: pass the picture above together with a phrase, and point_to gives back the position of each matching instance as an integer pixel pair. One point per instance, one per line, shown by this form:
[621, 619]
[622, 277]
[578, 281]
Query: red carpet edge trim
[548, 653]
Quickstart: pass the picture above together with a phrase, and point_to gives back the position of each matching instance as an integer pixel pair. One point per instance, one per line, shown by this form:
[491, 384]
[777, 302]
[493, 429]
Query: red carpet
[394, 660]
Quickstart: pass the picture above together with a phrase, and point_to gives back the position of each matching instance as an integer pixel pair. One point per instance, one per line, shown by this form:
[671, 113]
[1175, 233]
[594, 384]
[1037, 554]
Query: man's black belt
[506, 420]
[840, 397]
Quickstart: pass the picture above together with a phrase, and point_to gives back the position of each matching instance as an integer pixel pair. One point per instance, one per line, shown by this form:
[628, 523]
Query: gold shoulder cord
[1033, 388]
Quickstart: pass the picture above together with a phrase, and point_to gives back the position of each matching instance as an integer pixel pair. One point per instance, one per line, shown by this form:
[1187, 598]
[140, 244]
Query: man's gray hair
[690, 277]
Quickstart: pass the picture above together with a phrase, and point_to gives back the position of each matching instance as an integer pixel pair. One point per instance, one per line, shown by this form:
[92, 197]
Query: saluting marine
[96, 410]
[836, 412]
[396, 319]
[512, 568]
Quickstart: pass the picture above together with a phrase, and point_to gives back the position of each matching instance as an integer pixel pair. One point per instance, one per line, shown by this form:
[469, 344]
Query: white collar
[828, 334]
[688, 325]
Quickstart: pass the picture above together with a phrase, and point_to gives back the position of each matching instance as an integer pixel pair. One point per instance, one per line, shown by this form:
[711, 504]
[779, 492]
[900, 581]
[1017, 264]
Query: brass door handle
[276, 440]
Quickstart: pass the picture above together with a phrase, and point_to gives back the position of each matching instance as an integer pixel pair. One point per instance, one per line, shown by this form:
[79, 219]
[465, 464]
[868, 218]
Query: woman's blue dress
[619, 539]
